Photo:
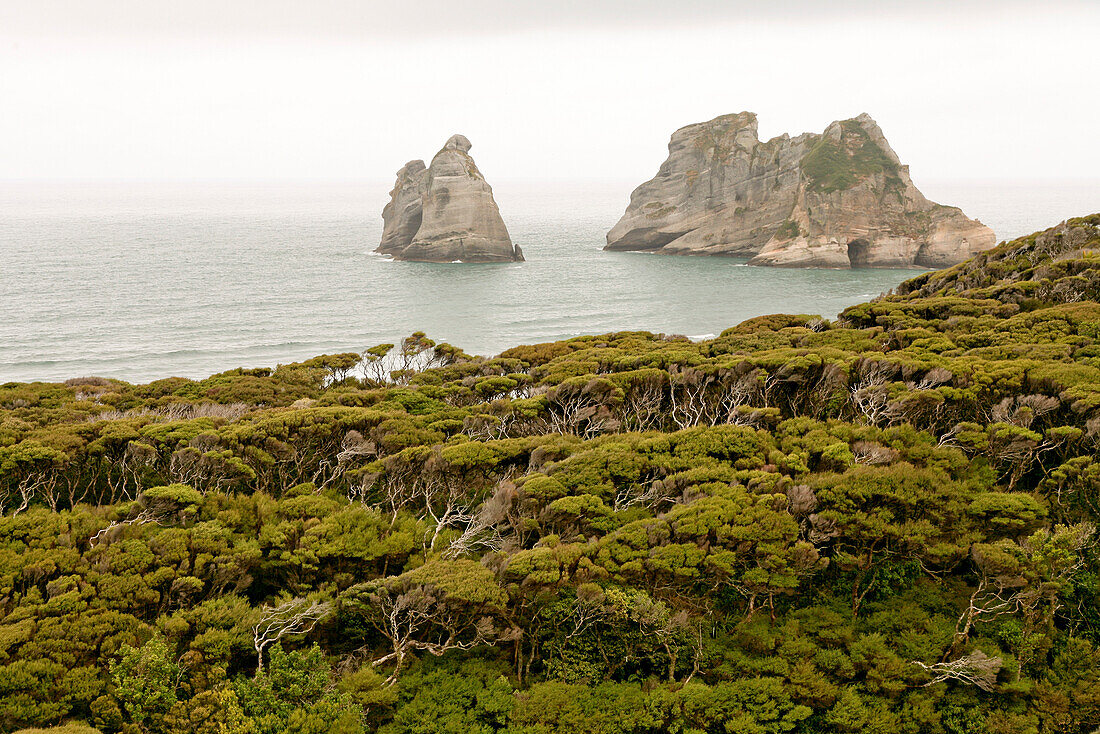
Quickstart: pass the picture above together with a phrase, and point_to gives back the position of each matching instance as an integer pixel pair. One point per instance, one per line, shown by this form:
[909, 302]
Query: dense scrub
[883, 523]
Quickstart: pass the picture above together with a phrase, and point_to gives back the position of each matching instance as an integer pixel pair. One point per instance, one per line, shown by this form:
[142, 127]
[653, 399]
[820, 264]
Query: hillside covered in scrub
[882, 523]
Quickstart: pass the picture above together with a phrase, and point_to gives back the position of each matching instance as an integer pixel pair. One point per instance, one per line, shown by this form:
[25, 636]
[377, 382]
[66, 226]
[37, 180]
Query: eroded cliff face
[839, 199]
[402, 216]
[445, 213]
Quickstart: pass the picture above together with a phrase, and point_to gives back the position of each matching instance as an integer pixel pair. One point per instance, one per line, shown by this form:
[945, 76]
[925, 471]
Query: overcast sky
[337, 89]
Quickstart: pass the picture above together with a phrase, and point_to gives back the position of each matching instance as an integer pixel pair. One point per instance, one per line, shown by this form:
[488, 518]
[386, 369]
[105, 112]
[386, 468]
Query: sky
[564, 90]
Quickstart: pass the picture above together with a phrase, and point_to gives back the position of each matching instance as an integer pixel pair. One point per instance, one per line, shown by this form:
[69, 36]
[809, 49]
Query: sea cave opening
[859, 252]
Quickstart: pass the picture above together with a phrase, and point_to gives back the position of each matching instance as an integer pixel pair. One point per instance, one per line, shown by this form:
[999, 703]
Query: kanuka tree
[440, 606]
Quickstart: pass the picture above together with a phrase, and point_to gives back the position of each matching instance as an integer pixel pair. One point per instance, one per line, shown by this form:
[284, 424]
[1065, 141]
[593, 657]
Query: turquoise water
[141, 282]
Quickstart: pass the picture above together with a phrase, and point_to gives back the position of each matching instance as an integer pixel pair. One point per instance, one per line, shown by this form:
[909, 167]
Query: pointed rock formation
[402, 216]
[840, 199]
[445, 213]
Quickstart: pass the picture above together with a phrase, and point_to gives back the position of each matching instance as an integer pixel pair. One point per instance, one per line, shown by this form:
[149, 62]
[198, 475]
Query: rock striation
[402, 216]
[445, 212]
[839, 199]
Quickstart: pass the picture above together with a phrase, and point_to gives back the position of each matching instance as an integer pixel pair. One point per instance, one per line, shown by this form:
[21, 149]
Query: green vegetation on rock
[839, 165]
[788, 230]
[885, 522]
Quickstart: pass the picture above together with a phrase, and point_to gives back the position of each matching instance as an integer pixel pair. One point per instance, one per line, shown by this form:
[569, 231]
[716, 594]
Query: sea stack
[402, 216]
[445, 212]
[840, 199]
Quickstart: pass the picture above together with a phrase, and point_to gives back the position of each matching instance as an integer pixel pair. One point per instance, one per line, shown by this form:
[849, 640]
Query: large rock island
[839, 199]
[445, 212]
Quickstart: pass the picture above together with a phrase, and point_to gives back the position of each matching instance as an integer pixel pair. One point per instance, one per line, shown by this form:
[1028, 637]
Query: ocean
[143, 281]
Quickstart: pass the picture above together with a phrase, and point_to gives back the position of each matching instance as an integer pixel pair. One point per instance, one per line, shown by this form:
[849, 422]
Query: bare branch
[976, 669]
[293, 617]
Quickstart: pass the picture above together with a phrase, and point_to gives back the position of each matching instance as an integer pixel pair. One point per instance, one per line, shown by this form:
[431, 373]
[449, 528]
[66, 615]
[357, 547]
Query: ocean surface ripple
[144, 282]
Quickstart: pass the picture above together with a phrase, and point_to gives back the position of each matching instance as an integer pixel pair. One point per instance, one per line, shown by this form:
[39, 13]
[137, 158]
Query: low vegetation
[882, 523]
[838, 165]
